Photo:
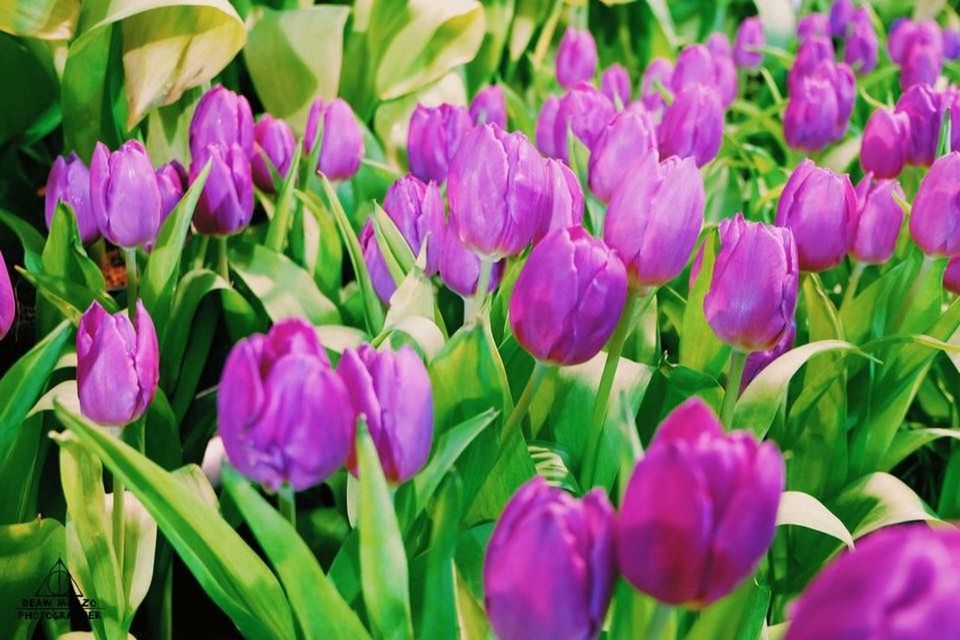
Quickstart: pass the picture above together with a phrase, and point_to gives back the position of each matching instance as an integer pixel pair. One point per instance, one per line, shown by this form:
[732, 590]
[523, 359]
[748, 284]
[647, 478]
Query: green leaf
[303, 580]
[879, 500]
[234, 577]
[279, 225]
[30, 75]
[64, 256]
[27, 553]
[700, 348]
[779, 20]
[439, 618]
[44, 19]
[70, 298]
[909, 440]
[392, 243]
[30, 239]
[803, 510]
[498, 15]
[139, 549]
[740, 614]
[383, 561]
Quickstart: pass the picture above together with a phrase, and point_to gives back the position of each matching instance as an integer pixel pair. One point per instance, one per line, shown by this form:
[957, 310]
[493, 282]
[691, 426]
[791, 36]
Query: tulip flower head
[813, 25]
[274, 144]
[576, 58]
[935, 214]
[383, 283]
[118, 365]
[692, 125]
[923, 107]
[700, 509]
[582, 112]
[615, 84]
[172, 180]
[8, 302]
[656, 77]
[489, 105]
[124, 195]
[886, 143]
[222, 117]
[550, 565]
[69, 181]
[225, 206]
[628, 136]
[341, 144]
[879, 218]
[564, 201]
[460, 267]
[433, 139]
[546, 125]
[841, 14]
[417, 210]
[860, 48]
[747, 48]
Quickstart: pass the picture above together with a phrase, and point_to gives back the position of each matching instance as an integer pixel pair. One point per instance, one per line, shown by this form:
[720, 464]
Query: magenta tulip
[69, 181]
[222, 117]
[627, 137]
[879, 218]
[274, 144]
[576, 57]
[935, 214]
[124, 195]
[341, 144]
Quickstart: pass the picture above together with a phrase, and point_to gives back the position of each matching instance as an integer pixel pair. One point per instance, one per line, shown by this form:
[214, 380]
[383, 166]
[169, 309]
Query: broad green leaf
[439, 617]
[28, 551]
[879, 500]
[44, 19]
[700, 348]
[383, 560]
[303, 580]
[64, 257]
[741, 614]
[907, 441]
[234, 577]
[70, 298]
[283, 215]
[31, 239]
[168, 129]
[392, 243]
[64, 393]
[498, 16]
[631, 611]
[803, 510]
[32, 101]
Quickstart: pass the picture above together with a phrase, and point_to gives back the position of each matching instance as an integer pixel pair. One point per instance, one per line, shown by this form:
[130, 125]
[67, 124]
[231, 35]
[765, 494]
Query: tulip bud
[497, 189]
[692, 125]
[726, 78]
[284, 415]
[392, 391]
[886, 143]
[747, 50]
[935, 214]
[615, 83]
[809, 57]
[820, 208]
[417, 210]
[922, 107]
[341, 146]
[879, 218]
[460, 267]
[274, 143]
[433, 139]
[8, 302]
[118, 365]
[810, 119]
[700, 509]
[568, 297]
[383, 283]
[718, 44]
[172, 179]
[654, 219]
[550, 564]
[576, 58]
[759, 360]
[583, 111]
[489, 105]
[124, 195]
[813, 25]
[695, 66]
[901, 34]
[860, 49]
[841, 14]
[564, 207]
[921, 66]
[69, 181]
[546, 125]
[659, 71]
[748, 308]
[226, 203]
[951, 44]
[900, 582]
[951, 277]
[630, 135]
[222, 117]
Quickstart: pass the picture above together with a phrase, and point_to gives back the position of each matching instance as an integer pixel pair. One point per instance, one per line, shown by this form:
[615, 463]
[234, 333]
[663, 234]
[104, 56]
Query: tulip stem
[287, 501]
[852, 284]
[474, 305]
[738, 359]
[223, 264]
[659, 618]
[529, 392]
[130, 258]
[117, 519]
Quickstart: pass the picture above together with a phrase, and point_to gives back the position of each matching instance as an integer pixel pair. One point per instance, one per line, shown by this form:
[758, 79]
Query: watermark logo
[51, 600]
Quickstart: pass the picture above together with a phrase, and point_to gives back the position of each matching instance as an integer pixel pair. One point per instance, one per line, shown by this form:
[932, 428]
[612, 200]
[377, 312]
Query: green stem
[852, 284]
[223, 263]
[287, 500]
[659, 618]
[130, 258]
[201, 252]
[539, 372]
[737, 361]
[474, 306]
[894, 327]
[118, 523]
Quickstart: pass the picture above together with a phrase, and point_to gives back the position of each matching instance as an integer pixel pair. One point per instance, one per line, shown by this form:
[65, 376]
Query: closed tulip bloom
[935, 214]
[820, 208]
[700, 509]
[860, 49]
[124, 195]
[417, 210]
[901, 34]
[759, 360]
[809, 121]
[747, 308]
[726, 75]
[810, 55]
[813, 25]
[951, 276]
[222, 117]
[695, 66]
[550, 565]
[886, 143]
[921, 66]
[841, 14]
[922, 107]
[172, 180]
[8, 302]
[460, 267]
[274, 144]
[658, 72]
[564, 206]
[226, 203]
[433, 139]
[718, 44]
[392, 391]
[584, 112]
[654, 219]
[544, 134]
[879, 218]
[489, 105]
[615, 84]
[568, 297]
[341, 146]
[118, 365]
[692, 125]
[900, 582]
[497, 189]
[747, 47]
[951, 44]
[627, 137]
[383, 283]
[576, 57]
[69, 181]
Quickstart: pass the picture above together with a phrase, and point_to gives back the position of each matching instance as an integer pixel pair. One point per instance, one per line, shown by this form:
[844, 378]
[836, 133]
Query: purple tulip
[284, 415]
[935, 214]
[810, 119]
[615, 84]
[274, 143]
[226, 203]
[124, 195]
[460, 267]
[951, 44]
[860, 49]
[630, 135]
[584, 112]
[391, 389]
[417, 210]
[8, 301]
[813, 25]
[886, 143]
[879, 218]
[950, 102]
[546, 125]
[810, 55]
[565, 200]
[747, 47]
[433, 138]
[222, 117]
[118, 365]
[659, 71]
[700, 508]
[654, 219]
[951, 277]
[820, 208]
[921, 67]
[568, 297]
[900, 582]
[550, 565]
[695, 67]
[489, 105]
[692, 125]
[841, 14]
[383, 283]
[718, 44]
[576, 58]
[918, 48]
[341, 145]
[172, 180]
[726, 75]
[759, 360]
[69, 181]
[922, 107]
[901, 34]
[748, 308]
[497, 190]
